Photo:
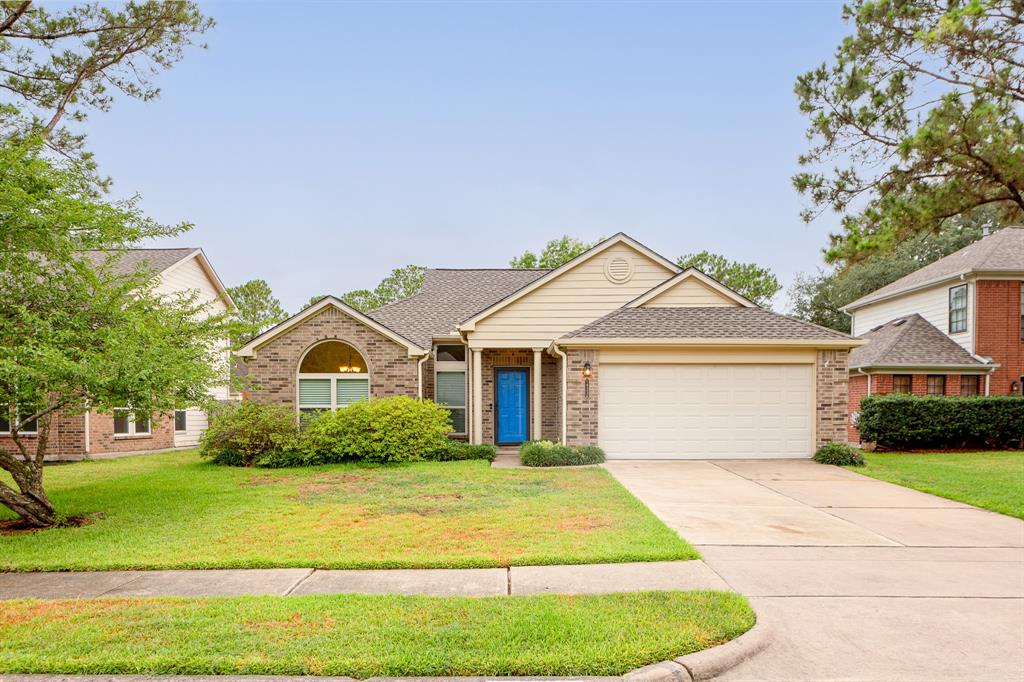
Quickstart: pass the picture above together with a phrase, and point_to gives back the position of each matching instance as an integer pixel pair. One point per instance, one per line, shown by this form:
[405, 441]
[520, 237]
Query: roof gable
[1000, 252]
[551, 275]
[250, 348]
[690, 288]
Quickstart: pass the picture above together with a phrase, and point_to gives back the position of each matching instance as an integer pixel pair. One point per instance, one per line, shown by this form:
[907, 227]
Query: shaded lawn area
[991, 480]
[174, 511]
[366, 635]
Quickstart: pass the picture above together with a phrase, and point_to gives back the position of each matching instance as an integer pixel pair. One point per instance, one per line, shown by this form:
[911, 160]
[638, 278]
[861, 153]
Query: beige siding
[756, 356]
[195, 423]
[689, 292]
[576, 297]
[190, 276]
[932, 304]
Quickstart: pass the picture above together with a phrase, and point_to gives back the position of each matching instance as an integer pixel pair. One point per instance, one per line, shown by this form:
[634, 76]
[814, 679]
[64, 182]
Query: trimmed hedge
[901, 421]
[545, 453]
[397, 429]
[457, 450]
[839, 454]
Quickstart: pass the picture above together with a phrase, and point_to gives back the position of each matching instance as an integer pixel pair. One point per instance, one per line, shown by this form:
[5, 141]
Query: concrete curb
[705, 665]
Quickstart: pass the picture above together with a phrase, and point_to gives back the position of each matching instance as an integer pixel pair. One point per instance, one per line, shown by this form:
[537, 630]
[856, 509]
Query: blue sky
[319, 145]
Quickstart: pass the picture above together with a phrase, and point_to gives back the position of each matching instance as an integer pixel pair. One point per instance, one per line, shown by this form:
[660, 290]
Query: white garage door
[705, 411]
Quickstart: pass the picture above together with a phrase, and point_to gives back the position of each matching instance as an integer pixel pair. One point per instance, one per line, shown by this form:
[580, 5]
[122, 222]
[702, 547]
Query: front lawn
[364, 636]
[991, 480]
[174, 511]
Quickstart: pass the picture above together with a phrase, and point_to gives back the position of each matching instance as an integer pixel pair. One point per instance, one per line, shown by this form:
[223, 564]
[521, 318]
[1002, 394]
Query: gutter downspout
[565, 385]
[419, 375]
[861, 371]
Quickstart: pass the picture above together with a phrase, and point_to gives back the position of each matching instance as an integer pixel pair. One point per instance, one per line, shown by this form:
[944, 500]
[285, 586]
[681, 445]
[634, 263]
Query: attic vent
[898, 323]
[618, 270]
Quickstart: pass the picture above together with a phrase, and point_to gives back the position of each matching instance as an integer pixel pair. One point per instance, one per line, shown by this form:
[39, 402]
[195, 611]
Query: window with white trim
[180, 421]
[332, 375]
[128, 423]
[28, 428]
[958, 309]
[450, 383]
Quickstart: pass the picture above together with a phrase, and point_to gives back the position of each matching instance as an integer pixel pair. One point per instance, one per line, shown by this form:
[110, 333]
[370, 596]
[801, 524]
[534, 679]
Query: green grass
[364, 636]
[175, 511]
[991, 480]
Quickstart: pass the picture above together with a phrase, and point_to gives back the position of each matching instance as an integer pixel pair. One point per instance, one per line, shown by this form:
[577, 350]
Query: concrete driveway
[858, 579]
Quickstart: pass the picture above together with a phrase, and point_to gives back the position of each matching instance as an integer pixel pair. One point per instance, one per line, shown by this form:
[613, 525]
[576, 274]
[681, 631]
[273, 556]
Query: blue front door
[512, 407]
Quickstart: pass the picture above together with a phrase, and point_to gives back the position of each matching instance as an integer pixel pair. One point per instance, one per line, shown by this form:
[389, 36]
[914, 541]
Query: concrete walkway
[518, 580]
[858, 579]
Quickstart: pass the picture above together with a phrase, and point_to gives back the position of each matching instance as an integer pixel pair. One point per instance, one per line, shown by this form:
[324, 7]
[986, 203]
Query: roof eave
[591, 341]
[925, 367]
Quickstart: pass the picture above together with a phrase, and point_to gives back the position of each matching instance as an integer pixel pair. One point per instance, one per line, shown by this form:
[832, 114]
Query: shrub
[545, 453]
[456, 450]
[906, 421]
[398, 429]
[240, 433]
[840, 454]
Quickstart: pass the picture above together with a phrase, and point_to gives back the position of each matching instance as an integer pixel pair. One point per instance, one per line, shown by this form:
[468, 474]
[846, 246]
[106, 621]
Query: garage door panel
[705, 411]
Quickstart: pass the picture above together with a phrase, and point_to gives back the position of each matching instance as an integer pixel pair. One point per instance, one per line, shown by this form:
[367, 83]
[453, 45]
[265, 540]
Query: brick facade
[997, 335]
[581, 399]
[67, 437]
[831, 391]
[274, 368]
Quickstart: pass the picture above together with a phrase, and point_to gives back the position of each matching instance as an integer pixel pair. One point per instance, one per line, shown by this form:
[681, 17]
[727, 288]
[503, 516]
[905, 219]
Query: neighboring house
[618, 347]
[954, 327]
[91, 434]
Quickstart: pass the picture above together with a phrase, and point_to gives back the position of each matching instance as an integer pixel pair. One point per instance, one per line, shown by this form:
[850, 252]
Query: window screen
[180, 420]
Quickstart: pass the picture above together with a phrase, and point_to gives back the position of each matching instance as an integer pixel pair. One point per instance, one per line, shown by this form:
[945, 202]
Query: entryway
[512, 405]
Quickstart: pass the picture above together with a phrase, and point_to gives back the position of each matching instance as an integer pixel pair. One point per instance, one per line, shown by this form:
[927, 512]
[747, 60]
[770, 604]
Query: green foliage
[839, 454]
[397, 429]
[242, 433]
[545, 453]
[819, 297]
[257, 310]
[907, 421]
[75, 331]
[748, 279]
[456, 450]
[555, 253]
[63, 61]
[385, 634]
[922, 104]
[401, 283]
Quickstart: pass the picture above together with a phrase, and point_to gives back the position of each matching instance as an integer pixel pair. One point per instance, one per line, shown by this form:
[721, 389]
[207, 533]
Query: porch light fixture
[1013, 387]
[587, 370]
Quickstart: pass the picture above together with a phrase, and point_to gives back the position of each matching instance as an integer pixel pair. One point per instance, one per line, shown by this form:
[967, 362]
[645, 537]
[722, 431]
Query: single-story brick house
[618, 347]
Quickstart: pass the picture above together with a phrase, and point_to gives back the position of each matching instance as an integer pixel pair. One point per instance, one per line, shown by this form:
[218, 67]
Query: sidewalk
[517, 580]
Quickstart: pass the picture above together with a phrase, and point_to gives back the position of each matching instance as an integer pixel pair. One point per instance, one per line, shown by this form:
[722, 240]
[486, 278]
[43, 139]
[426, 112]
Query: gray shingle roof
[703, 323]
[911, 341]
[1001, 251]
[447, 297]
[131, 260]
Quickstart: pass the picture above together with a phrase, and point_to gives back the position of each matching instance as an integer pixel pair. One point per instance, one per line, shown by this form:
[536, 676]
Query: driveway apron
[858, 579]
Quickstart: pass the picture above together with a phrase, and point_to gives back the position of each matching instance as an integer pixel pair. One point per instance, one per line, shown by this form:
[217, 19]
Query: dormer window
[958, 309]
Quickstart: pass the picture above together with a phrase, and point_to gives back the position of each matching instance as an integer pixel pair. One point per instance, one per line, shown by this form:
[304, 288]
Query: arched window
[332, 374]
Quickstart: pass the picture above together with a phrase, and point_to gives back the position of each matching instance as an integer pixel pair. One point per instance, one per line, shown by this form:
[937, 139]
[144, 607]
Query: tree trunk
[32, 506]
[30, 501]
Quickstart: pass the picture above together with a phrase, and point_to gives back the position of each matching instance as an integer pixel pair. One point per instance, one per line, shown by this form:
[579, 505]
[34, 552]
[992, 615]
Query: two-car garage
[706, 411]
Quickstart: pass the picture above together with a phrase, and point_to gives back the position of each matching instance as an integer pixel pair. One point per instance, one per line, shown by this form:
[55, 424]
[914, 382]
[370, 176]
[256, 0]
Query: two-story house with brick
[77, 436]
[954, 327]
